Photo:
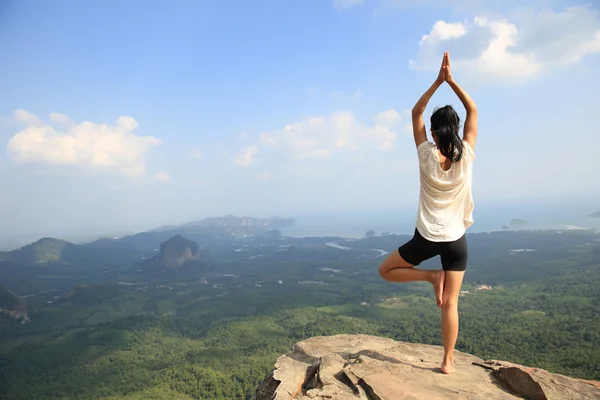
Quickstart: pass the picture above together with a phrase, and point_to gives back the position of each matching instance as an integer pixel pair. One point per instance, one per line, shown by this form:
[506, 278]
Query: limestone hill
[175, 252]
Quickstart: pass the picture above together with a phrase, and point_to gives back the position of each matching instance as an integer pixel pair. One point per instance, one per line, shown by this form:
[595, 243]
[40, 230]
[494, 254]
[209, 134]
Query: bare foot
[438, 285]
[448, 366]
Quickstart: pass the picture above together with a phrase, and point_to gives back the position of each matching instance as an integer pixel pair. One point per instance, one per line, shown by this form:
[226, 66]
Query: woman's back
[445, 200]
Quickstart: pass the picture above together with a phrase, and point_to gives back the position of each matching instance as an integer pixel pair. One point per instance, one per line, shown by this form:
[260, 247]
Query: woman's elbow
[417, 112]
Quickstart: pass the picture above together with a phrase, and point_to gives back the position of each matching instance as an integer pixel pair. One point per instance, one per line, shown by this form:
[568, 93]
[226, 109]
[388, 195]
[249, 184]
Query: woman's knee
[449, 301]
[384, 269]
[386, 266]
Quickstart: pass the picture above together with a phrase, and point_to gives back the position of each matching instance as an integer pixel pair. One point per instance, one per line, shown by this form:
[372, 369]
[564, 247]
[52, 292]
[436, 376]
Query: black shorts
[454, 255]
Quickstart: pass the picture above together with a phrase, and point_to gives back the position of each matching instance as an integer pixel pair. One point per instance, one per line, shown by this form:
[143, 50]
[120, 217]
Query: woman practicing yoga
[445, 207]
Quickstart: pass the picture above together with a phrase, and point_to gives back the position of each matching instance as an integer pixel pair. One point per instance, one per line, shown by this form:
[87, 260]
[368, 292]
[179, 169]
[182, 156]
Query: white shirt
[445, 201]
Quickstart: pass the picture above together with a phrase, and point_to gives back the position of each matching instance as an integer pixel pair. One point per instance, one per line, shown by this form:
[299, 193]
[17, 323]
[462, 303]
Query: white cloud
[196, 154]
[324, 153]
[516, 49]
[61, 119]
[444, 31]
[342, 5]
[325, 138]
[162, 177]
[99, 146]
[388, 118]
[357, 95]
[247, 156]
[26, 118]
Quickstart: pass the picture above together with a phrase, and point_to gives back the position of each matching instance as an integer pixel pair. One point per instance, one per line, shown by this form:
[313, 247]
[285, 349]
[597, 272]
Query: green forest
[216, 330]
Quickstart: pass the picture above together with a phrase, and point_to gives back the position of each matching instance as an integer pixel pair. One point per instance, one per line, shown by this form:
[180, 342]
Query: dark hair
[445, 123]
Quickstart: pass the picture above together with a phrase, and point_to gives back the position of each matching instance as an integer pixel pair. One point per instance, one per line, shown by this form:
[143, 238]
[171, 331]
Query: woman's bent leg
[395, 269]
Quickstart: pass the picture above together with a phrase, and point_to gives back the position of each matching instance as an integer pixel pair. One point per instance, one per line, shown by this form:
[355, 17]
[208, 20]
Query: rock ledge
[350, 367]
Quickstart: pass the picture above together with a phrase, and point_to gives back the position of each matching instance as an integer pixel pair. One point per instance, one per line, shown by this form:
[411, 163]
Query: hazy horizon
[489, 216]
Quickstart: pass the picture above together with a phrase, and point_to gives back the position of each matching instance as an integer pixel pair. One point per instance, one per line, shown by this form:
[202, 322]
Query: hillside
[45, 250]
[13, 306]
[346, 367]
[231, 221]
[209, 231]
[58, 251]
[228, 225]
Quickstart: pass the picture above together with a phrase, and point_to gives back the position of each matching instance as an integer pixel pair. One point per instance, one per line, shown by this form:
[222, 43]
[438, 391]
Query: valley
[205, 312]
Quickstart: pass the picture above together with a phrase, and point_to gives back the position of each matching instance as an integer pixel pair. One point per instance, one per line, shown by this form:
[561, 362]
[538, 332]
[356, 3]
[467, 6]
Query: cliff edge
[350, 367]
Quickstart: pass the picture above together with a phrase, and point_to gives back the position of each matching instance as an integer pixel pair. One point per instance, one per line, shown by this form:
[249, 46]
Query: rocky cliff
[12, 306]
[176, 251]
[349, 367]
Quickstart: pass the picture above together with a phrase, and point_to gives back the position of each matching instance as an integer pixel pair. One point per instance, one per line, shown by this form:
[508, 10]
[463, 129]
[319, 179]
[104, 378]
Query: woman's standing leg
[450, 317]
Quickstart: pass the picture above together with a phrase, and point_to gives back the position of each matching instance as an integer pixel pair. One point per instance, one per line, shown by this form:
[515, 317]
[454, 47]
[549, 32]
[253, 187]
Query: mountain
[231, 224]
[369, 367]
[517, 223]
[175, 252]
[207, 231]
[13, 306]
[45, 250]
[596, 214]
[231, 221]
[56, 251]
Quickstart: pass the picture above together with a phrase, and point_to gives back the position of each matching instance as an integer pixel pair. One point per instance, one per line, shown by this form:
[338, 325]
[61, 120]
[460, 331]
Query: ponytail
[445, 123]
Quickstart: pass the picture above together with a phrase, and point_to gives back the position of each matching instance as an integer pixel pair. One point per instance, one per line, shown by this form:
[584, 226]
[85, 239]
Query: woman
[445, 207]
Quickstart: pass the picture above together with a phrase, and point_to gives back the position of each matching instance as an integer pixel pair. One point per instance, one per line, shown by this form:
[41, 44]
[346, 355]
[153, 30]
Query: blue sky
[121, 115]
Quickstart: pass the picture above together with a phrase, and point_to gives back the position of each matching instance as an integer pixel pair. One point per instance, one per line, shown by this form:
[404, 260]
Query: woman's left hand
[442, 75]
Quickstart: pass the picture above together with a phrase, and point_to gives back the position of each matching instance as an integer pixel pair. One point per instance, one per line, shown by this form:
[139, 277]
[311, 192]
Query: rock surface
[349, 367]
[176, 251]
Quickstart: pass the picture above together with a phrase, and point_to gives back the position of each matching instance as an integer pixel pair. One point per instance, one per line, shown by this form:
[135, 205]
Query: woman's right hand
[447, 70]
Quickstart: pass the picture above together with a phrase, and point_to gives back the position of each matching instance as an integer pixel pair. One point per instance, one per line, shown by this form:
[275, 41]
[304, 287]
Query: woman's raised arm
[417, 112]
[470, 130]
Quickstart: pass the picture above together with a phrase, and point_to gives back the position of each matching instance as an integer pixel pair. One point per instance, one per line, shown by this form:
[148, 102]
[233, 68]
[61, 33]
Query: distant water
[487, 218]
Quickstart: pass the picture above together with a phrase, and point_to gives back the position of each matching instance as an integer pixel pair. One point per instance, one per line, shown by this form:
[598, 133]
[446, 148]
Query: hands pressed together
[445, 74]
